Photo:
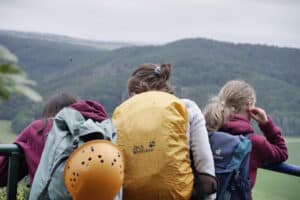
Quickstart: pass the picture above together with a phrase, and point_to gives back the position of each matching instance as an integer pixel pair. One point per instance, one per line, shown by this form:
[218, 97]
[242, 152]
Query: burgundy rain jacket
[270, 148]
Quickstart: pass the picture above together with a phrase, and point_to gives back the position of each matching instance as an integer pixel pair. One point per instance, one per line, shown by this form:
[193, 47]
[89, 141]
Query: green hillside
[201, 67]
[102, 45]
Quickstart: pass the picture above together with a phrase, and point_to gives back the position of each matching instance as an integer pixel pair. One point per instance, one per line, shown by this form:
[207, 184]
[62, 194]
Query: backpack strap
[62, 158]
[44, 194]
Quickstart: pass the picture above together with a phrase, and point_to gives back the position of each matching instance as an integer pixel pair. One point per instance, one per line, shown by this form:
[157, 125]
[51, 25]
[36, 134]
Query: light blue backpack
[69, 131]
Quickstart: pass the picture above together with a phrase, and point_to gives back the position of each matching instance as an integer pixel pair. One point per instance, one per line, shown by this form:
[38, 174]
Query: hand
[258, 114]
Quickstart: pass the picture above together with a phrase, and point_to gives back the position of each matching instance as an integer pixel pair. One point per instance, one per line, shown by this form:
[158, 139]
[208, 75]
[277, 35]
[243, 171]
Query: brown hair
[54, 105]
[150, 77]
[230, 100]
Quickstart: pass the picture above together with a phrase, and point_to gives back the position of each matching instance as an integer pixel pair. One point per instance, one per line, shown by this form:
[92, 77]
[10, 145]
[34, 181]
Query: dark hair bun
[165, 71]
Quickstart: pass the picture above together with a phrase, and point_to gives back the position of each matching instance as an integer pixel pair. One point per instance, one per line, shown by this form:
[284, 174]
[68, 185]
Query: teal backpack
[70, 130]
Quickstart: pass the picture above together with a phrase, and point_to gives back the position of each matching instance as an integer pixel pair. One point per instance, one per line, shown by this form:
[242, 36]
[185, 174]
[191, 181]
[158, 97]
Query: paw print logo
[151, 144]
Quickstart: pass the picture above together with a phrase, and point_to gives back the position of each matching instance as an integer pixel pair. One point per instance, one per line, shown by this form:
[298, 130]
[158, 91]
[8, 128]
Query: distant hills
[201, 67]
[66, 39]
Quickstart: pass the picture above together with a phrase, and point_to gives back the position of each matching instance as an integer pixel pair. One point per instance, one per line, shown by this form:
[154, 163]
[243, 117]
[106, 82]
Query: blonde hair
[213, 113]
[150, 77]
[230, 100]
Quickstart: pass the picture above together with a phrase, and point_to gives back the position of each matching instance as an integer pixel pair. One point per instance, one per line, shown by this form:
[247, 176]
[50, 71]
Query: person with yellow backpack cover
[160, 136]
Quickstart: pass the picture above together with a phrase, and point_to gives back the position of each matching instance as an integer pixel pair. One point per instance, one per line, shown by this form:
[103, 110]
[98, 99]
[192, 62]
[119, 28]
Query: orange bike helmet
[94, 171]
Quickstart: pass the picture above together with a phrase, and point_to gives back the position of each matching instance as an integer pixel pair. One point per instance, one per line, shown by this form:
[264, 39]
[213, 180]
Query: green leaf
[13, 79]
[6, 56]
[28, 92]
[10, 69]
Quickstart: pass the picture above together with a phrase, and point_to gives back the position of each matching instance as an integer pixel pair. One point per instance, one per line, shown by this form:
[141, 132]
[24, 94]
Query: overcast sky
[275, 22]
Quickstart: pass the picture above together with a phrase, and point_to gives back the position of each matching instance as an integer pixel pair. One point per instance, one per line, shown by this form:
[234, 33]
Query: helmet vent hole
[77, 174]
[102, 161]
[115, 160]
[92, 149]
[99, 156]
[73, 173]
[90, 158]
[82, 162]
[119, 154]
[112, 164]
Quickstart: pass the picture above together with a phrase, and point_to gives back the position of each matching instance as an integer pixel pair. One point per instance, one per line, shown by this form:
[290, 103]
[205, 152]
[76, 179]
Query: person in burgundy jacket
[232, 110]
[32, 139]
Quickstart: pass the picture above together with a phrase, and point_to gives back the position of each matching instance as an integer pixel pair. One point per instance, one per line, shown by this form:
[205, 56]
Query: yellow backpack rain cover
[151, 129]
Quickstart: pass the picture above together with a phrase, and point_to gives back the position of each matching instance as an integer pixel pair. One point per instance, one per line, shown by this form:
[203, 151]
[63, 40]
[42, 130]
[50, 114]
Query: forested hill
[65, 39]
[201, 67]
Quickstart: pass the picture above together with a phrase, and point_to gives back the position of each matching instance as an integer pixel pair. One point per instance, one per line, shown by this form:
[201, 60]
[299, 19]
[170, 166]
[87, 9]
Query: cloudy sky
[275, 22]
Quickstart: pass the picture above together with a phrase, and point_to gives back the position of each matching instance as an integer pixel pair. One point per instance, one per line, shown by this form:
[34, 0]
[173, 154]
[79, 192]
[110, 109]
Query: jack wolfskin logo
[218, 151]
[151, 144]
[217, 154]
[141, 149]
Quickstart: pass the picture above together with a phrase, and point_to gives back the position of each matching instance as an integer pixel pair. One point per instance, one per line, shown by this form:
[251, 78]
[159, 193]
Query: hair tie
[157, 71]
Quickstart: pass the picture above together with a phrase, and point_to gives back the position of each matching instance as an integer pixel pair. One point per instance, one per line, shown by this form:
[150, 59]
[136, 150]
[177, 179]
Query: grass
[23, 191]
[6, 133]
[269, 185]
[276, 186]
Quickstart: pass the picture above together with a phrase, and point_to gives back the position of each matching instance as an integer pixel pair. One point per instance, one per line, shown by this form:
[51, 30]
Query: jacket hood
[237, 125]
[90, 109]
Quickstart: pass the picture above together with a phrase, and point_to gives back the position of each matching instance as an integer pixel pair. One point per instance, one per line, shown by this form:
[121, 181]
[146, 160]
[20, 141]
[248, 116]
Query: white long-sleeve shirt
[198, 140]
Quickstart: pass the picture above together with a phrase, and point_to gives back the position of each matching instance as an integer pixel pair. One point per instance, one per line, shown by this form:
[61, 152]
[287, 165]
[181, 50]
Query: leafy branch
[13, 79]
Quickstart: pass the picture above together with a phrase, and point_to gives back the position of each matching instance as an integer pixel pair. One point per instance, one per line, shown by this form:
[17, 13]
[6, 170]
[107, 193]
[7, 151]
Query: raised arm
[272, 147]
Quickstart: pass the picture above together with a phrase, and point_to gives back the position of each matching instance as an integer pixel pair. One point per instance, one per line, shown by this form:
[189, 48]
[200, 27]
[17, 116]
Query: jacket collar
[237, 124]
[91, 109]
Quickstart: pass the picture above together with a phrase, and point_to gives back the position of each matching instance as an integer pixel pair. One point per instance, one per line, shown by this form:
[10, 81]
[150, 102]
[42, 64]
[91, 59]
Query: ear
[249, 105]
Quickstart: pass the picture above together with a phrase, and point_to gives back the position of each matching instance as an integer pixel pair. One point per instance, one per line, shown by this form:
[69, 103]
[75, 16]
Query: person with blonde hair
[231, 111]
[149, 77]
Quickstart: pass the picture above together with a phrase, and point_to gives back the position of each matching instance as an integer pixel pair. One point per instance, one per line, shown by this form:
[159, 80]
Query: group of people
[230, 111]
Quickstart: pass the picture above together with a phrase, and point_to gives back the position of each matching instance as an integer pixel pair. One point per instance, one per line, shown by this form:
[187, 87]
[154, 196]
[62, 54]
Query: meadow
[269, 185]
[276, 186]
